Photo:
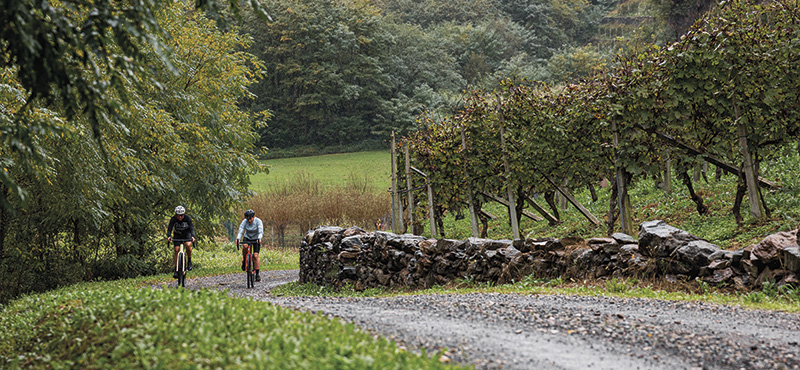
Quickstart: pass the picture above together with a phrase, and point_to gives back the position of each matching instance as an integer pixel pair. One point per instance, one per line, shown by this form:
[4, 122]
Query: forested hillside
[343, 74]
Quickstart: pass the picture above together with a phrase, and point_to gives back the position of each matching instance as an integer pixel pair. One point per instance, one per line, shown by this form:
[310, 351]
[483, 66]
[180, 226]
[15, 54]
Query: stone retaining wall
[333, 256]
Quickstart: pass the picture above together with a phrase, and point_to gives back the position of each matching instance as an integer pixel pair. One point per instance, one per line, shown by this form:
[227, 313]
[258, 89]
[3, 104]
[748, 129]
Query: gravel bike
[249, 264]
[180, 266]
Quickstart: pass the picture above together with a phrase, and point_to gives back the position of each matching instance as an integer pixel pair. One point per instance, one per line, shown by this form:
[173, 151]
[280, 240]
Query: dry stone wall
[334, 256]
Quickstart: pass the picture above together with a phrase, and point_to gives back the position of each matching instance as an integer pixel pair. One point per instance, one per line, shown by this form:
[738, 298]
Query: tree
[81, 56]
[181, 140]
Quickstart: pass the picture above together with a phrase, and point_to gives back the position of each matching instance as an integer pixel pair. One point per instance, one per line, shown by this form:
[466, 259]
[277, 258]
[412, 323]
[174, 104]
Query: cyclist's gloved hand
[258, 242]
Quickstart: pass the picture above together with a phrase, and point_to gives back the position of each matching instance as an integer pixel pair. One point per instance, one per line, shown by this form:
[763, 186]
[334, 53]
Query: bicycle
[249, 264]
[180, 266]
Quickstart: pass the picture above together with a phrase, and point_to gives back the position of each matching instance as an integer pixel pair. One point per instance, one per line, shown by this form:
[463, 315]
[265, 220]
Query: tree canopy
[97, 192]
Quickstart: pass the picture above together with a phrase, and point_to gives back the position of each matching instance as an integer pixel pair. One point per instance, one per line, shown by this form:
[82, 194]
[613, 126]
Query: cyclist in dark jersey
[184, 233]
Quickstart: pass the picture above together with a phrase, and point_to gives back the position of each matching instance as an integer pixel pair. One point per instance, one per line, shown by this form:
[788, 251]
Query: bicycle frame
[180, 265]
[249, 264]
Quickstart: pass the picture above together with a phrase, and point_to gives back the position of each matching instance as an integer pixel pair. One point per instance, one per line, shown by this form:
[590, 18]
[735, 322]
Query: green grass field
[331, 170]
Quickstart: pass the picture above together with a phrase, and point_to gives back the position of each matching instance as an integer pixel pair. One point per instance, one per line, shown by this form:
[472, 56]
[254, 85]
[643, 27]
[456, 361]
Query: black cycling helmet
[249, 213]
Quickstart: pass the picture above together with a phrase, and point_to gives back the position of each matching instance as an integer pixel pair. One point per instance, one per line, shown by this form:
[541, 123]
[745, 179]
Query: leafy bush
[126, 266]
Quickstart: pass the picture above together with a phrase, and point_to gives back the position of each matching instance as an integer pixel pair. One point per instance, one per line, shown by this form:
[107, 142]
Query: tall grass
[303, 203]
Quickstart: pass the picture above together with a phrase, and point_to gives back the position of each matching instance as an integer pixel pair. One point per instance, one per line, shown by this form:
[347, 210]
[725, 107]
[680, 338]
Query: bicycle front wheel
[181, 269]
[250, 273]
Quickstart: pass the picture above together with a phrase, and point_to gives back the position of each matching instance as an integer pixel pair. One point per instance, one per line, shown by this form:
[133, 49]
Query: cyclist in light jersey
[252, 229]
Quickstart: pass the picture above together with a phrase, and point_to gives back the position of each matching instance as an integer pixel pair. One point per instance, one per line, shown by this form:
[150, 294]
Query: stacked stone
[334, 256]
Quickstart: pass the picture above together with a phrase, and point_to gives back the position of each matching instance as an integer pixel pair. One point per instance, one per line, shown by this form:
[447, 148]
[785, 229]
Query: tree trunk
[592, 192]
[484, 232]
[440, 224]
[668, 174]
[702, 209]
[520, 205]
[549, 197]
[622, 186]
[741, 189]
[612, 206]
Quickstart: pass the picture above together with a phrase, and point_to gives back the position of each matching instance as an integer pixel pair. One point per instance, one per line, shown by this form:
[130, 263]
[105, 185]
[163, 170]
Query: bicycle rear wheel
[181, 270]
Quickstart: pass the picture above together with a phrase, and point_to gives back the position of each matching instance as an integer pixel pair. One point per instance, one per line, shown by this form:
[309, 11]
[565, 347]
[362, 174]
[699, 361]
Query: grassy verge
[770, 298]
[104, 325]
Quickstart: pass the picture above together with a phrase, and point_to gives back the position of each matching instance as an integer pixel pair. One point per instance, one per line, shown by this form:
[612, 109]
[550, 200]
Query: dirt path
[512, 331]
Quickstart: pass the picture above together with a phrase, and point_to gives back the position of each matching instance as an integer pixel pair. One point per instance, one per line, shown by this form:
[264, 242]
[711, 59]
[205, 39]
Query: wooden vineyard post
[431, 213]
[397, 211]
[512, 204]
[472, 218]
[409, 189]
[542, 211]
[504, 202]
[750, 176]
[725, 166]
[431, 208]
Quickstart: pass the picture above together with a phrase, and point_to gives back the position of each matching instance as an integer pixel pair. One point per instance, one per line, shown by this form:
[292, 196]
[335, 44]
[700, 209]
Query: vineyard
[725, 95]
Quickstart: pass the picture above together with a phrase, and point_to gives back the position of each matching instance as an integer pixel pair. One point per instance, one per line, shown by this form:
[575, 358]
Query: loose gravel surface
[512, 331]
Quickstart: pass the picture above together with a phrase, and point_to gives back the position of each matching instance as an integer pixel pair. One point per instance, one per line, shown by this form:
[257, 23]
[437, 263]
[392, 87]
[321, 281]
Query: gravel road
[512, 331]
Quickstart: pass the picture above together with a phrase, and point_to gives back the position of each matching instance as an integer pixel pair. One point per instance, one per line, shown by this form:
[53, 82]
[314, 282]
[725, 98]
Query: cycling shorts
[179, 242]
[254, 244]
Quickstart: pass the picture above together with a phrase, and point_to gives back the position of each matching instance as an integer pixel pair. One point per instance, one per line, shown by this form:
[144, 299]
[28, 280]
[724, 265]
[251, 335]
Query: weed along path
[512, 331]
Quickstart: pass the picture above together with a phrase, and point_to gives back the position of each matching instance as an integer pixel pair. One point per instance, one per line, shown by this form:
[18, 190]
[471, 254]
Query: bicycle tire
[181, 270]
[250, 272]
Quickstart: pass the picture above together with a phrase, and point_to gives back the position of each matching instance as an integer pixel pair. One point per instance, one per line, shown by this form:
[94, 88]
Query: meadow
[331, 170]
[299, 194]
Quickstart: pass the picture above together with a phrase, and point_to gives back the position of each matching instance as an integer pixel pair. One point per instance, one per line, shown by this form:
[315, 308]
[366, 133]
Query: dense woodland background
[342, 75]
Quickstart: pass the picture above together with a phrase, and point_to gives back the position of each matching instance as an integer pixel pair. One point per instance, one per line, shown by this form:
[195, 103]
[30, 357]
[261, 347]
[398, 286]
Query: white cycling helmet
[179, 210]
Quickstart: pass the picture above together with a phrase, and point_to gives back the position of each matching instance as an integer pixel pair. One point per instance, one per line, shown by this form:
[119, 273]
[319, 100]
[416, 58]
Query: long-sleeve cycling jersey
[252, 230]
[184, 229]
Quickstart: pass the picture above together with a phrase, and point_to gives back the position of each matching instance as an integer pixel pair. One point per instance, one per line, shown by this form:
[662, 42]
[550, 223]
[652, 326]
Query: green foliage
[342, 73]
[81, 57]
[118, 325]
[617, 286]
[182, 140]
[658, 103]
[681, 14]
